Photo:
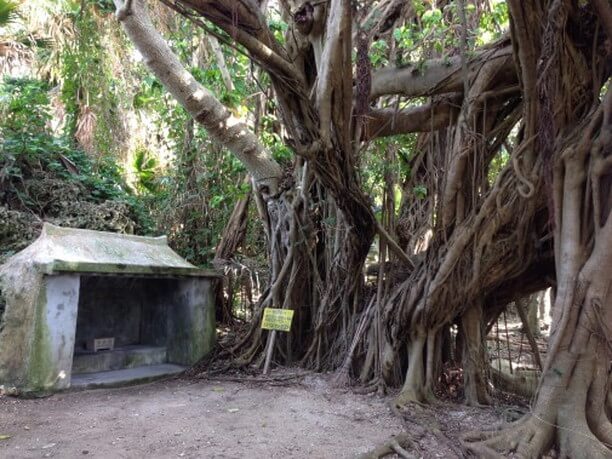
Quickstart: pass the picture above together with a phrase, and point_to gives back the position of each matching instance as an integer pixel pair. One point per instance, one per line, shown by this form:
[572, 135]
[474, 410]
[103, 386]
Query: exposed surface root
[531, 437]
[526, 438]
[397, 445]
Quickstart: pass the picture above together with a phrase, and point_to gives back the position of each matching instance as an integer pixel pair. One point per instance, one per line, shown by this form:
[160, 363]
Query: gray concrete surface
[126, 376]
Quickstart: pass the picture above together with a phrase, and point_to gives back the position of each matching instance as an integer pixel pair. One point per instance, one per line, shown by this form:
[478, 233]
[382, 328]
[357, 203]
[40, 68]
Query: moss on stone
[40, 368]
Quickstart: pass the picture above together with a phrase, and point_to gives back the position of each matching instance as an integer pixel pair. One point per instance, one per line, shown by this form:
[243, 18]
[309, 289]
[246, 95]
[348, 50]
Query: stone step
[124, 357]
[124, 377]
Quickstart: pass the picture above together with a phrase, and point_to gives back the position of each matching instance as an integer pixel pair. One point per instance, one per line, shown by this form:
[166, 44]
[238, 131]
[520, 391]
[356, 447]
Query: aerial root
[341, 379]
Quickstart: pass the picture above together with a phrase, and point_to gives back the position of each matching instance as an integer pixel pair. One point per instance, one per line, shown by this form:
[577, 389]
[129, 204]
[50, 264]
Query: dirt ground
[301, 418]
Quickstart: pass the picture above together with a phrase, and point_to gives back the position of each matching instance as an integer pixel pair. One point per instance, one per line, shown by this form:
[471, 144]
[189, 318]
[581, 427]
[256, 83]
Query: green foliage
[492, 25]
[104, 6]
[273, 140]
[432, 35]
[87, 79]
[498, 162]
[420, 191]
[194, 192]
[436, 32]
[195, 197]
[8, 11]
[45, 174]
[145, 168]
[191, 192]
[278, 27]
[378, 53]
[24, 105]
[376, 164]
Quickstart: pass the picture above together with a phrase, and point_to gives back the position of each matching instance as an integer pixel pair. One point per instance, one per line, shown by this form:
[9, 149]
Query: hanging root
[342, 377]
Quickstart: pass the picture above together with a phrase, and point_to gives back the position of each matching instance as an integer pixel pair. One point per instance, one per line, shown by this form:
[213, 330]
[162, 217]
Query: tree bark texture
[474, 243]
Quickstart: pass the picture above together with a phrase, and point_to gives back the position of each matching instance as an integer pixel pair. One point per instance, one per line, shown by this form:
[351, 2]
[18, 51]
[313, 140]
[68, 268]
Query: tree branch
[221, 125]
[424, 118]
[244, 23]
[334, 92]
[438, 76]
[225, 74]
[393, 246]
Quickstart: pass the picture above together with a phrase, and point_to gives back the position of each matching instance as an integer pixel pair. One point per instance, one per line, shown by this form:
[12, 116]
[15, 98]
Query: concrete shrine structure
[73, 291]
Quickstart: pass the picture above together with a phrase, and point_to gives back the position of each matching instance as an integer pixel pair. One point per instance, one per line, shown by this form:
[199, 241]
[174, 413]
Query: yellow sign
[277, 319]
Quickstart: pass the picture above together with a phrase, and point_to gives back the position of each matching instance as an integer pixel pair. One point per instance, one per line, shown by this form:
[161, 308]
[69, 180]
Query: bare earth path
[181, 418]
[214, 419]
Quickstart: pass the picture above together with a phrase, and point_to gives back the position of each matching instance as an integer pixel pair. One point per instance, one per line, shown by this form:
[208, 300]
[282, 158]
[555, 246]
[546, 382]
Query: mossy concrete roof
[60, 250]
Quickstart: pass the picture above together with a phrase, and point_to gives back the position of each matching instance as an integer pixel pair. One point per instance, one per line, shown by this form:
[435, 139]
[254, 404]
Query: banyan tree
[484, 232]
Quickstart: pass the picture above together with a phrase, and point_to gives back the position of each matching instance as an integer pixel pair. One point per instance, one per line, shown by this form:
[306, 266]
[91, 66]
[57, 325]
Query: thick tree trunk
[475, 362]
[414, 389]
[570, 410]
[484, 234]
[231, 239]
[235, 230]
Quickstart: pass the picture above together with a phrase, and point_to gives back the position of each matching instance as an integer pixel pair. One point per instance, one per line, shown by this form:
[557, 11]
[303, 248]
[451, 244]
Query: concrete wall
[50, 362]
[133, 310]
[191, 321]
[177, 313]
